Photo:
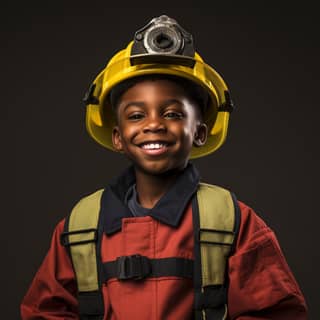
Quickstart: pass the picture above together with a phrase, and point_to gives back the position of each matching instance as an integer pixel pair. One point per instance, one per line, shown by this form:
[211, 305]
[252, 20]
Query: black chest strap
[137, 267]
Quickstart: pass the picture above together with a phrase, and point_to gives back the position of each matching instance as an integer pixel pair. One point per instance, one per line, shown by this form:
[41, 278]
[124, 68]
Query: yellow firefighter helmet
[161, 47]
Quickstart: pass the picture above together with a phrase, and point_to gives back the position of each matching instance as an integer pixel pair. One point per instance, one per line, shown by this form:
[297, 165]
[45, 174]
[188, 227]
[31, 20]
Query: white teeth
[153, 146]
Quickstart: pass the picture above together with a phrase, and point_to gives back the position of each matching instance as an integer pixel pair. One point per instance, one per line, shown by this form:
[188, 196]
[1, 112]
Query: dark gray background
[51, 51]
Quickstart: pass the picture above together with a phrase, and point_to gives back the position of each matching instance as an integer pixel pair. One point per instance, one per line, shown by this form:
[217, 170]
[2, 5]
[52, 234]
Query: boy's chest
[148, 237]
[158, 296]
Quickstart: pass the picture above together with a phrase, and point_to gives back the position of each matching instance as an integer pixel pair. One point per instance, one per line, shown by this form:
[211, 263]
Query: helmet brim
[100, 117]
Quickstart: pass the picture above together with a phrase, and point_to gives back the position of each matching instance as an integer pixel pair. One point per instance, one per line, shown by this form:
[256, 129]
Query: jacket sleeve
[262, 285]
[53, 289]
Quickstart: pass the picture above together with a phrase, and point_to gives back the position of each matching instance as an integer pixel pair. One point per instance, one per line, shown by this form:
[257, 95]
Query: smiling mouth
[155, 148]
[153, 145]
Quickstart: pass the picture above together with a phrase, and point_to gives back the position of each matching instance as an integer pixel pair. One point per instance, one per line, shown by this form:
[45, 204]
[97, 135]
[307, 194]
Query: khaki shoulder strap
[217, 228]
[216, 235]
[82, 232]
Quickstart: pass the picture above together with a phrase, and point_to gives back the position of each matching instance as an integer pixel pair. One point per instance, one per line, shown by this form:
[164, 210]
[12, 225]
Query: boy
[160, 105]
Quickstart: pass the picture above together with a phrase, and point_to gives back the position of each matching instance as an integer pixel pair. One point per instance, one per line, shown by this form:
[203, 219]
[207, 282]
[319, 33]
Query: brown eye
[135, 116]
[173, 115]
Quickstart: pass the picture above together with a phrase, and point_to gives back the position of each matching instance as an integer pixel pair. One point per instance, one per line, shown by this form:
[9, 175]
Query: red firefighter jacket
[261, 285]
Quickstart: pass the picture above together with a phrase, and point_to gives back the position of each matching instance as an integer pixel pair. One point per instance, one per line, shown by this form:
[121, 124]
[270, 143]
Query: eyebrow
[134, 103]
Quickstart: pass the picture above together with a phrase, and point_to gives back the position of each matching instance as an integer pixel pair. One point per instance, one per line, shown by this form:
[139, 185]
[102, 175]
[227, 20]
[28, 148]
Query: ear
[201, 134]
[116, 139]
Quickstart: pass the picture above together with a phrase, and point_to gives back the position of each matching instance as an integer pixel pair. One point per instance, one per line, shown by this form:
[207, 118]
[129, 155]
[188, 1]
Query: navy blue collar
[169, 209]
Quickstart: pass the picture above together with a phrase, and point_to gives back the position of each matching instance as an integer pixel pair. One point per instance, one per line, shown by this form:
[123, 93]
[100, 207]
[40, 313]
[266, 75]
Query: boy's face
[157, 126]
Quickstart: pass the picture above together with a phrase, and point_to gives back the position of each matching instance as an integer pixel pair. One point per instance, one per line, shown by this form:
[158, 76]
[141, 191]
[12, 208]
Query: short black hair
[194, 91]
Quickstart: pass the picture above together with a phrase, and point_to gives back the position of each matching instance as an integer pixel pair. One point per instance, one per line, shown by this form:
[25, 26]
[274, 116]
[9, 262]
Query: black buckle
[211, 297]
[214, 231]
[64, 239]
[135, 267]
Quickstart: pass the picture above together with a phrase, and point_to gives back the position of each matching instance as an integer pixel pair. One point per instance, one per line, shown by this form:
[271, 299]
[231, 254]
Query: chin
[156, 169]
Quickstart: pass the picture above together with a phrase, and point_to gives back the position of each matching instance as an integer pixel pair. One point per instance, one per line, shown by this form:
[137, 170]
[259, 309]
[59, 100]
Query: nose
[154, 124]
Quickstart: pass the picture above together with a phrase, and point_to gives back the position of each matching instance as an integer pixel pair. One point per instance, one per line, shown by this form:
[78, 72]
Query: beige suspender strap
[82, 234]
[217, 219]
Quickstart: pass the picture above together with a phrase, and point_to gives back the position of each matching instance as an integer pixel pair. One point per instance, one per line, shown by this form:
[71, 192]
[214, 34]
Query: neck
[151, 188]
